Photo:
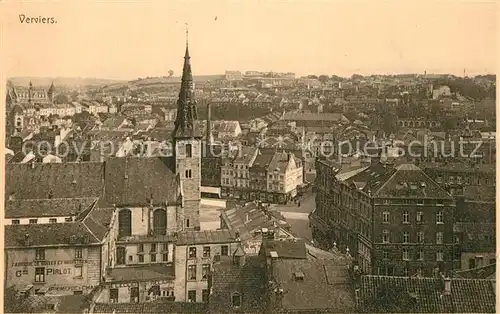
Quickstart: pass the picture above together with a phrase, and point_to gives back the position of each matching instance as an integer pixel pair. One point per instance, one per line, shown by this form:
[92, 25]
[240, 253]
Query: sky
[130, 39]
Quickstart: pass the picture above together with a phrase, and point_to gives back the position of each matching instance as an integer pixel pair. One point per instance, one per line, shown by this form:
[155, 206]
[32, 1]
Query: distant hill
[62, 81]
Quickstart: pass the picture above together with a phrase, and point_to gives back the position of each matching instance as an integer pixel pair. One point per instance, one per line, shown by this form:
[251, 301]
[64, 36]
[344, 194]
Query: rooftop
[142, 273]
[151, 307]
[286, 249]
[315, 284]
[425, 295]
[24, 208]
[204, 237]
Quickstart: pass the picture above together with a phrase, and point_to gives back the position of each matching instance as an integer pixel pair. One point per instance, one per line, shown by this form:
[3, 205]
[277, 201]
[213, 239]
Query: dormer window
[236, 299]
[299, 276]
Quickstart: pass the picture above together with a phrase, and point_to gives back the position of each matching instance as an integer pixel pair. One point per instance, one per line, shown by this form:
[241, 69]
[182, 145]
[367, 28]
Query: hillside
[61, 81]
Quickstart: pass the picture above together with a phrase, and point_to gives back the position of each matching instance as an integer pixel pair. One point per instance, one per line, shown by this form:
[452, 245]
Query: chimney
[447, 285]
[273, 264]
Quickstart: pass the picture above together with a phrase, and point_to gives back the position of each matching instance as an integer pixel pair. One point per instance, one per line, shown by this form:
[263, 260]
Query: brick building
[394, 220]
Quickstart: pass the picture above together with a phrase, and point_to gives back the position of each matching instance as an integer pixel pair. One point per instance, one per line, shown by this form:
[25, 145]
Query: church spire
[185, 122]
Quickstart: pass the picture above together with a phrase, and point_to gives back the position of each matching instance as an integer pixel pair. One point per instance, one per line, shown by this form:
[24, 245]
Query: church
[142, 236]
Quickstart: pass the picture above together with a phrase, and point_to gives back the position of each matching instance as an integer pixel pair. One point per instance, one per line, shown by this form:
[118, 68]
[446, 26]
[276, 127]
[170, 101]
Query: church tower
[51, 91]
[187, 149]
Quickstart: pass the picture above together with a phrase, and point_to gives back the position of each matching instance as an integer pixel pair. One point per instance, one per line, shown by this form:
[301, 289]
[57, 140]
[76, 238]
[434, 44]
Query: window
[472, 263]
[152, 258]
[206, 251]
[192, 272]
[192, 296]
[15, 221]
[187, 223]
[165, 257]
[406, 218]
[405, 271]
[205, 270]
[52, 220]
[205, 294]
[40, 274]
[439, 217]
[78, 271]
[420, 202]
[68, 219]
[439, 256]
[385, 217]
[78, 252]
[40, 254]
[406, 237]
[113, 295]
[457, 239]
[421, 255]
[120, 255]
[420, 237]
[33, 221]
[439, 179]
[141, 258]
[406, 255]
[192, 252]
[385, 236]
[189, 152]
[420, 217]
[153, 248]
[187, 173]
[439, 238]
[224, 250]
[386, 254]
[160, 222]
[140, 248]
[125, 223]
[236, 300]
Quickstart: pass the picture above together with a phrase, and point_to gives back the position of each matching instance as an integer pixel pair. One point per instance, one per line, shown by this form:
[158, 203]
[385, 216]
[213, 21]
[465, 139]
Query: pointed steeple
[185, 122]
[30, 92]
[50, 92]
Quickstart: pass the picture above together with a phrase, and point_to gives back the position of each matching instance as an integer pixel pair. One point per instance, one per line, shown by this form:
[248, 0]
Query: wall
[486, 258]
[182, 285]
[213, 202]
[59, 269]
[40, 220]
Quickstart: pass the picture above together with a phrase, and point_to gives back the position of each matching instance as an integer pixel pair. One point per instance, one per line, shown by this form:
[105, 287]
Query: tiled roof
[48, 234]
[62, 304]
[409, 181]
[98, 221]
[248, 280]
[46, 207]
[151, 307]
[325, 285]
[62, 180]
[137, 180]
[485, 272]
[286, 249]
[459, 166]
[236, 219]
[142, 273]
[245, 155]
[204, 237]
[425, 295]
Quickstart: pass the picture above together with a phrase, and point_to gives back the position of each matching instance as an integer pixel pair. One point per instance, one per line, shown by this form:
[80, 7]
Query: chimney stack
[447, 285]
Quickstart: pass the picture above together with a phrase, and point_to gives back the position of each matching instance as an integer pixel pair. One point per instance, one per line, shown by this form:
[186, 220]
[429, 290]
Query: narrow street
[297, 216]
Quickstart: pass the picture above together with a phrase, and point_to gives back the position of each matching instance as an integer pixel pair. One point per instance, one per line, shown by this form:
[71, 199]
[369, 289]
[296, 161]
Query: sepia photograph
[223, 156]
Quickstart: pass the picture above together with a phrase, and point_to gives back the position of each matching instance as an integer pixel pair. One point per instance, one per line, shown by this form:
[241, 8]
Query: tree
[357, 77]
